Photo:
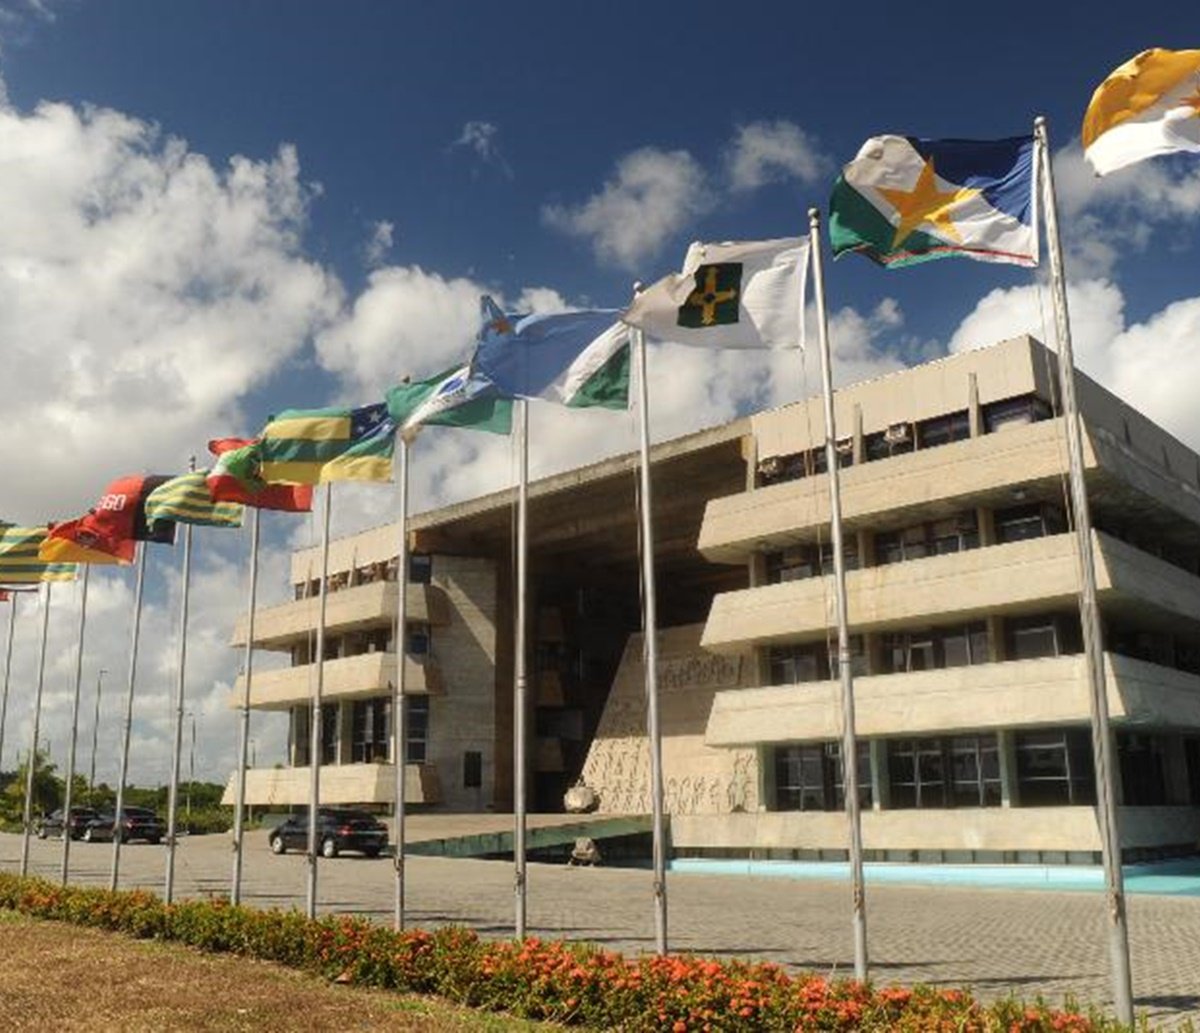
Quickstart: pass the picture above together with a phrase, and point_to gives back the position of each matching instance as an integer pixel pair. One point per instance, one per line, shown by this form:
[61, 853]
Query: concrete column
[995, 634]
[986, 521]
[857, 421]
[758, 569]
[880, 789]
[1175, 772]
[974, 410]
[1006, 741]
[750, 455]
[866, 548]
[766, 789]
[345, 751]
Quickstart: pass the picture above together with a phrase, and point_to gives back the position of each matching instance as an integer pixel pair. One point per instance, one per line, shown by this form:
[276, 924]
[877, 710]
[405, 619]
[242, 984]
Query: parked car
[338, 829]
[135, 823]
[52, 825]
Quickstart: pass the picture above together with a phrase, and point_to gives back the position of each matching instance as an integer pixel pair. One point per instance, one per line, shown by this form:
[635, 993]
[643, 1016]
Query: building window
[416, 729]
[1054, 767]
[419, 639]
[1041, 635]
[301, 735]
[1014, 412]
[809, 777]
[472, 769]
[805, 561]
[930, 649]
[942, 430]
[954, 534]
[1143, 770]
[1019, 523]
[958, 771]
[897, 440]
[812, 661]
[420, 568]
[330, 729]
[371, 730]
[809, 463]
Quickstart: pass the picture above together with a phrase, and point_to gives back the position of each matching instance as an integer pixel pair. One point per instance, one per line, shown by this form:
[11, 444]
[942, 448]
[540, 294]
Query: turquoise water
[1167, 878]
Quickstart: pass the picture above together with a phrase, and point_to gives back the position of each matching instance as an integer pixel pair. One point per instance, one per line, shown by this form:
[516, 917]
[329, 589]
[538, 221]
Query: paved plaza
[996, 941]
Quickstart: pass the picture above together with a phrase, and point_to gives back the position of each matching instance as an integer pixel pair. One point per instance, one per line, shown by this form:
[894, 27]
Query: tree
[47, 790]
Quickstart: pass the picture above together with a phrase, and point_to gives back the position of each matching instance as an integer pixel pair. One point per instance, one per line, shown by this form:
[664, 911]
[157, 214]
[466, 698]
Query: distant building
[970, 685]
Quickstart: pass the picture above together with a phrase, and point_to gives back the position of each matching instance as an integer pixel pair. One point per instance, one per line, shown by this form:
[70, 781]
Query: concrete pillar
[766, 788]
[1175, 773]
[859, 447]
[986, 522]
[758, 569]
[995, 634]
[750, 455]
[345, 735]
[880, 788]
[1007, 748]
[974, 410]
[866, 548]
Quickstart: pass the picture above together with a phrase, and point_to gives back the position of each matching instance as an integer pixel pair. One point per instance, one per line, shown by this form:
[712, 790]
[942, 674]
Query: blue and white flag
[577, 359]
[904, 200]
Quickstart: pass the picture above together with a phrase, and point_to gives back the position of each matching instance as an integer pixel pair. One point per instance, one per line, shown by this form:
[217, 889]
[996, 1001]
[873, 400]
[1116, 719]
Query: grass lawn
[63, 977]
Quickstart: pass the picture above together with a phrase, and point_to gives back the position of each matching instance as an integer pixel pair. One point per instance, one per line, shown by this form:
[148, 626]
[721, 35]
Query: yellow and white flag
[1148, 106]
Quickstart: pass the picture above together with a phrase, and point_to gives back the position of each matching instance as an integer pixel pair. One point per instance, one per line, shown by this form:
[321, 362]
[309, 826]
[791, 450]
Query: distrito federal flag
[738, 294]
[905, 200]
[1147, 107]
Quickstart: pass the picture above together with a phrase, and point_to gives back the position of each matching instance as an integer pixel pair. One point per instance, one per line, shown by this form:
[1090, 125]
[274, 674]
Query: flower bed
[568, 983]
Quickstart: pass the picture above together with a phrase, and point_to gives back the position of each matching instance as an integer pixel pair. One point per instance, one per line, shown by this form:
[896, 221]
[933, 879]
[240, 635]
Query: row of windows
[901, 438]
[375, 640]
[370, 731]
[420, 572]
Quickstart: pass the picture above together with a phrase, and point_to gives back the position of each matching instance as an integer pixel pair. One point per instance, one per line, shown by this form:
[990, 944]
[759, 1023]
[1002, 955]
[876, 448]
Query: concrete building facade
[962, 589]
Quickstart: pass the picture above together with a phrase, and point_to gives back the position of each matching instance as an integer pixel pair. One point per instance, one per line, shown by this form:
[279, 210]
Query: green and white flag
[741, 294]
[186, 499]
[454, 398]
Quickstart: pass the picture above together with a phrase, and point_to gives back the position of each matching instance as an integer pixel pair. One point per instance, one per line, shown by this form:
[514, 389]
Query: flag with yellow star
[1148, 106]
[905, 200]
[739, 294]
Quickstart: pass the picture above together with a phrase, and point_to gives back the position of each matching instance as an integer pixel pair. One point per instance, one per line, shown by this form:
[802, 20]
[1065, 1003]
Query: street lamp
[95, 730]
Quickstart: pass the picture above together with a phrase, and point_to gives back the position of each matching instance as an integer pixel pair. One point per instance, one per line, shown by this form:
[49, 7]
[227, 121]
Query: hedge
[573, 984]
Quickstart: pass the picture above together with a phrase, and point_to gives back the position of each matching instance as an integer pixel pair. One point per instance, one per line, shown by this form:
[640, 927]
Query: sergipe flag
[109, 530]
[1148, 106]
[578, 359]
[313, 446]
[905, 200]
[236, 477]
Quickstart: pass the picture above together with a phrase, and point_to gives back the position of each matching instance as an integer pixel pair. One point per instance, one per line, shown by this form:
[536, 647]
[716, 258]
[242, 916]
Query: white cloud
[482, 138]
[772, 152]
[652, 196]
[379, 243]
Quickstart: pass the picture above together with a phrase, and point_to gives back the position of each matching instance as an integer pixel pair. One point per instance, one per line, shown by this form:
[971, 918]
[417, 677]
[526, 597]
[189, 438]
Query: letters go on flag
[186, 499]
[109, 531]
[313, 446]
[1148, 106]
[20, 563]
[454, 398]
[905, 200]
[745, 294]
[578, 359]
[236, 477]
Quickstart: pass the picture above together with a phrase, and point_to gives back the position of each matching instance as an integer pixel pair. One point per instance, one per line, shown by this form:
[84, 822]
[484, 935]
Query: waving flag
[1148, 106]
[20, 563]
[312, 446]
[109, 531]
[746, 294]
[454, 398]
[579, 359]
[186, 499]
[236, 477]
[904, 200]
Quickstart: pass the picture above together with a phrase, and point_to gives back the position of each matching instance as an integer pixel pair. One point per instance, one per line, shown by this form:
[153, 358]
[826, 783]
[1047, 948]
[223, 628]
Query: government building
[962, 581]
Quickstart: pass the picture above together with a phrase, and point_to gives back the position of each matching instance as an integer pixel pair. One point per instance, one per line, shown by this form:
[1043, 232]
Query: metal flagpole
[96, 730]
[66, 854]
[37, 713]
[650, 658]
[128, 731]
[845, 674]
[1089, 610]
[239, 809]
[314, 758]
[520, 688]
[177, 743]
[12, 620]
[399, 718]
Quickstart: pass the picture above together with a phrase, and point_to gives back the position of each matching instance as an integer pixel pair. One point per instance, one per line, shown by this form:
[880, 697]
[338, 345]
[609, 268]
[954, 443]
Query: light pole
[95, 731]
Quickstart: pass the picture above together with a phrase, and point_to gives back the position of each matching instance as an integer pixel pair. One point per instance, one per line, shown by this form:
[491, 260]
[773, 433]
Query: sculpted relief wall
[697, 779]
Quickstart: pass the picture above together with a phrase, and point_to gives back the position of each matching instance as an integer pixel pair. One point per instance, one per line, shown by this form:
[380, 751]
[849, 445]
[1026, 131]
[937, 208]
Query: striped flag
[312, 446]
[186, 500]
[19, 562]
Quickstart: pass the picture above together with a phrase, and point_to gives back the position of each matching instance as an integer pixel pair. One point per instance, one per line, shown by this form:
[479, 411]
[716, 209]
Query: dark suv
[135, 823]
[337, 830]
[53, 824]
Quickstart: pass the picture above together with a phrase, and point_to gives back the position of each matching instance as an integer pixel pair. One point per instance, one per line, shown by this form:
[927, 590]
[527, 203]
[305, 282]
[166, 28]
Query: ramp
[492, 834]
